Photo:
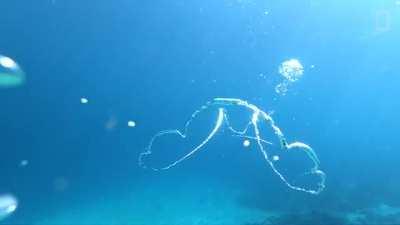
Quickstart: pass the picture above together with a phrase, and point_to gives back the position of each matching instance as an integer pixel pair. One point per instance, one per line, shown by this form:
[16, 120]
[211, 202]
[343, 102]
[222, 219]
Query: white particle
[84, 100]
[275, 158]
[246, 143]
[131, 123]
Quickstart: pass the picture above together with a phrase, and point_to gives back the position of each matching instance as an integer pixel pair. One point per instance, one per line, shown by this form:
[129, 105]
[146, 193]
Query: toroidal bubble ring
[257, 116]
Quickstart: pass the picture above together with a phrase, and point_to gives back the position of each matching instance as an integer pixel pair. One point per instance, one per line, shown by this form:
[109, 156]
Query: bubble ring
[257, 116]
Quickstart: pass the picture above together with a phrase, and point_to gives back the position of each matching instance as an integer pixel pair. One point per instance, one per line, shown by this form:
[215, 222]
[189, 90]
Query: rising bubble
[246, 143]
[8, 205]
[84, 100]
[291, 70]
[11, 75]
[282, 88]
[131, 123]
[23, 163]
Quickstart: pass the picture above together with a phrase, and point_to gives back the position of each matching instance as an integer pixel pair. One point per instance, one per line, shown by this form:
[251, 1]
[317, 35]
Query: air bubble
[8, 205]
[23, 163]
[291, 70]
[281, 88]
[11, 75]
[84, 100]
[246, 143]
[131, 123]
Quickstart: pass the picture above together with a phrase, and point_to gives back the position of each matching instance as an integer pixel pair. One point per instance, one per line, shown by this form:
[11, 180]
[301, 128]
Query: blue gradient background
[155, 62]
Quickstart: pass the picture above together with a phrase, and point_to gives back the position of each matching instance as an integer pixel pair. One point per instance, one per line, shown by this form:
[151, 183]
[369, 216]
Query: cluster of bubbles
[291, 71]
[11, 74]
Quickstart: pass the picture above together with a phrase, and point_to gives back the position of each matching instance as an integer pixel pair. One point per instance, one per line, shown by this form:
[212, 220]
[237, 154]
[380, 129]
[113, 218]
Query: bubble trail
[257, 116]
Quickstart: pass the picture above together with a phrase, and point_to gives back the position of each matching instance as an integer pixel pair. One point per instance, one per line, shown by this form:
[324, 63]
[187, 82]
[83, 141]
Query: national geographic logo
[383, 21]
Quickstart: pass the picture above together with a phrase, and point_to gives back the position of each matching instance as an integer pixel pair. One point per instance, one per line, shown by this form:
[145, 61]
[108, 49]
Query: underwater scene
[213, 112]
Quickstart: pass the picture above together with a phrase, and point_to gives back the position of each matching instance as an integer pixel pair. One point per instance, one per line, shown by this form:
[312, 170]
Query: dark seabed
[85, 87]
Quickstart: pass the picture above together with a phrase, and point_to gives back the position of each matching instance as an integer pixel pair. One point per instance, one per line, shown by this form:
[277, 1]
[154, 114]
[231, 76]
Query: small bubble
[84, 100]
[266, 12]
[281, 88]
[246, 143]
[275, 158]
[23, 163]
[131, 123]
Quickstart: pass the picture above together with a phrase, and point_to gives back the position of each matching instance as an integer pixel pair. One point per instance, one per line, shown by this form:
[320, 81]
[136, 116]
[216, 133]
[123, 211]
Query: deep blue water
[156, 62]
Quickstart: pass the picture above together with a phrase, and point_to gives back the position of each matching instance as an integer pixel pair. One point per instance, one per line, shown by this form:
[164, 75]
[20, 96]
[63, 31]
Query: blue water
[155, 63]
